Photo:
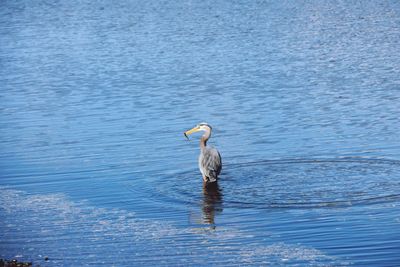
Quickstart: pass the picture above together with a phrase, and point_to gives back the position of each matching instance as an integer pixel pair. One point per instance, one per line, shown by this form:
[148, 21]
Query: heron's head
[199, 127]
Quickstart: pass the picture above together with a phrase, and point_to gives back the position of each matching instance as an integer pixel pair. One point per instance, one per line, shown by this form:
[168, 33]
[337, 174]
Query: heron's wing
[211, 163]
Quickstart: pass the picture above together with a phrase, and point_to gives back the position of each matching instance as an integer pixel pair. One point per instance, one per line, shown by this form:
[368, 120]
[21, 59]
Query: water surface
[303, 97]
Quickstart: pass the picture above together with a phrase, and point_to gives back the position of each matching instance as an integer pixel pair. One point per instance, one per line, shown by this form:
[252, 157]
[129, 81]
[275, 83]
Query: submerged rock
[14, 263]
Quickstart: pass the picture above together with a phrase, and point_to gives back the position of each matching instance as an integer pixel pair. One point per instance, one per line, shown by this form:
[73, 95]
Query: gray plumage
[210, 163]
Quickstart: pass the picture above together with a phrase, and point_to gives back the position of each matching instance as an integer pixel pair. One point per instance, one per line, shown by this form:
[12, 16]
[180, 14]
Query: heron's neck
[204, 139]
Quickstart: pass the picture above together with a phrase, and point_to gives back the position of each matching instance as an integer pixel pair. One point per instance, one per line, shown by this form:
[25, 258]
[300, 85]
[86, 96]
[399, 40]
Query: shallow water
[303, 98]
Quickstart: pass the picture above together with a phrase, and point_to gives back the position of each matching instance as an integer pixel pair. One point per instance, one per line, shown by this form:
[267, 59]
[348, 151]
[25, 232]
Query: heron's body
[210, 163]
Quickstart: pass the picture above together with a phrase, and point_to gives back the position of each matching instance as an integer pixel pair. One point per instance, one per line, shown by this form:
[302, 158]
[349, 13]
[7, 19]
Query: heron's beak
[195, 129]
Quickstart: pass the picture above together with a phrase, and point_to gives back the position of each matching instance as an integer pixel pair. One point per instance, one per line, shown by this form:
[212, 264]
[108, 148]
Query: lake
[303, 97]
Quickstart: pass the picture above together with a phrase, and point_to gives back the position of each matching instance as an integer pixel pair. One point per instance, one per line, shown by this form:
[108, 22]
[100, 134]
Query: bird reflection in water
[212, 203]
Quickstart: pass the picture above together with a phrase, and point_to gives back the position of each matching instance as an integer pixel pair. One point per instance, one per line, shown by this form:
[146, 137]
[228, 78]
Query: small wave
[291, 183]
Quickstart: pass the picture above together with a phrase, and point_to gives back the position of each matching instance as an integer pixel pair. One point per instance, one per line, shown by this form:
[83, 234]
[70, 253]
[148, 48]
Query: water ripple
[291, 183]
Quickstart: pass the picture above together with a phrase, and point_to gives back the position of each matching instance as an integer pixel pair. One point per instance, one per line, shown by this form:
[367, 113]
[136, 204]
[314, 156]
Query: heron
[210, 163]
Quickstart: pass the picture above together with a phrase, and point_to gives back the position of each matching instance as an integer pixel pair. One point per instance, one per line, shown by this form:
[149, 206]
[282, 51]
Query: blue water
[303, 97]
